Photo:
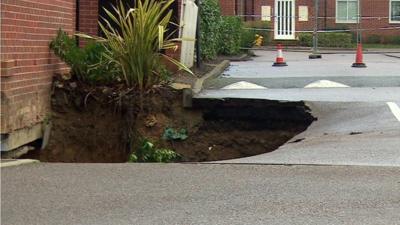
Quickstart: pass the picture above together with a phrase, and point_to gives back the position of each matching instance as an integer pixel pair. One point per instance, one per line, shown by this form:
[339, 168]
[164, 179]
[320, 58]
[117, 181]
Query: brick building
[290, 17]
[27, 63]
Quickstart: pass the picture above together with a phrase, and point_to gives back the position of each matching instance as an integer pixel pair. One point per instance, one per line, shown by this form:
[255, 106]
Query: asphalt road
[382, 71]
[125, 194]
[331, 65]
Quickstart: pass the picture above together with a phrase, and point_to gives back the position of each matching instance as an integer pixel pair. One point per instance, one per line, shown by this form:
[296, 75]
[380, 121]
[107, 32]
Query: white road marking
[243, 85]
[395, 109]
[325, 84]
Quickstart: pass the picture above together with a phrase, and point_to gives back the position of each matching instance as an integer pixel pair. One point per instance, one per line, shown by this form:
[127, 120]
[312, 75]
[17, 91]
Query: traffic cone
[280, 61]
[359, 58]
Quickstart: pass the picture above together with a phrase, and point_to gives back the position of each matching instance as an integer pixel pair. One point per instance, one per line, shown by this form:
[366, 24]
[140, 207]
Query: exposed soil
[237, 128]
[96, 128]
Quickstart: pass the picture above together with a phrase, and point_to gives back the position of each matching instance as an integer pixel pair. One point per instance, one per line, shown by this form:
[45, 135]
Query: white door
[284, 27]
[188, 32]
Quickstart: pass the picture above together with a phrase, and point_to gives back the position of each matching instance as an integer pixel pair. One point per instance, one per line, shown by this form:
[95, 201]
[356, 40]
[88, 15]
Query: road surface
[126, 194]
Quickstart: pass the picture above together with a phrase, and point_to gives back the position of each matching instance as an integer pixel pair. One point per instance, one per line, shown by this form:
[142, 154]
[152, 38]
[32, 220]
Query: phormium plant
[134, 40]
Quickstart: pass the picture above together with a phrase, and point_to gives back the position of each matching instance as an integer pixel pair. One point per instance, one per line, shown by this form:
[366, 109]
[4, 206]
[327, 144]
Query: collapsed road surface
[357, 109]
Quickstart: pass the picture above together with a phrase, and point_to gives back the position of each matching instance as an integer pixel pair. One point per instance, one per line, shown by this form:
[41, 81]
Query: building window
[394, 11]
[346, 11]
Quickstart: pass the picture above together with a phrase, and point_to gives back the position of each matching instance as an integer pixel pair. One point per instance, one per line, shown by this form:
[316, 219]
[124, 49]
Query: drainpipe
[198, 46]
[245, 10]
[252, 10]
[77, 20]
[326, 13]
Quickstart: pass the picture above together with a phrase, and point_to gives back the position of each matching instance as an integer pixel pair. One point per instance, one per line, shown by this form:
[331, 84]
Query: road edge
[18, 162]
[218, 70]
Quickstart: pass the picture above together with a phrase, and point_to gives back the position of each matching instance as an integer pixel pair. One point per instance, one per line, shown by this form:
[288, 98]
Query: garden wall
[27, 64]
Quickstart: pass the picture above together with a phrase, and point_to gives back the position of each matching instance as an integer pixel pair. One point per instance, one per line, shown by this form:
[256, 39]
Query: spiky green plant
[135, 39]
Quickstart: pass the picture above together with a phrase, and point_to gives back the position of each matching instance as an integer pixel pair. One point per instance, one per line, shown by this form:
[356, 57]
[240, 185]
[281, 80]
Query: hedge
[338, 40]
[230, 33]
[210, 22]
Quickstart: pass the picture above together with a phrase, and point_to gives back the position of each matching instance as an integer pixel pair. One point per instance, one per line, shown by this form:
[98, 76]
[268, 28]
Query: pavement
[357, 109]
[125, 194]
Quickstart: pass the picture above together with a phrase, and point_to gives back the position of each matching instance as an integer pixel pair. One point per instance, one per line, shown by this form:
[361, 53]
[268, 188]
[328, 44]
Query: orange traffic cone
[359, 58]
[280, 61]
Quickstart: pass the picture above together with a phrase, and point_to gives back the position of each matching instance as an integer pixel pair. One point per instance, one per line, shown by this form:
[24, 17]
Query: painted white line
[243, 85]
[325, 84]
[395, 109]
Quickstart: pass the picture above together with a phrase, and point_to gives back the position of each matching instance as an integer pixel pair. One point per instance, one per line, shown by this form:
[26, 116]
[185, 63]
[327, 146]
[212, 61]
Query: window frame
[390, 12]
[347, 20]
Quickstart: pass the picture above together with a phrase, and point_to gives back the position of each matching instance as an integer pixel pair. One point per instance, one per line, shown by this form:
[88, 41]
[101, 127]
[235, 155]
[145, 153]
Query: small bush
[337, 40]
[394, 40]
[87, 63]
[373, 39]
[306, 39]
[147, 152]
[230, 32]
[210, 22]
[247, 38]
[260, 27]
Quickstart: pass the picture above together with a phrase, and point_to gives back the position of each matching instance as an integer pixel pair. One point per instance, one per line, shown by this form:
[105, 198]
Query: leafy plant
[259, 27]
[338, 40]
[210, 22]
[149, 153]
[395, 40]
[247, 38]
[172, 134]
[230, 31]
[373, 39]
[134, 40]
[86, 63]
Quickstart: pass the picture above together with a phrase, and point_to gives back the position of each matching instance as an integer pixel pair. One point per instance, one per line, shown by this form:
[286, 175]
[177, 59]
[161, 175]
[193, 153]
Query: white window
[347, 11]
[266, 13]
[394, 11]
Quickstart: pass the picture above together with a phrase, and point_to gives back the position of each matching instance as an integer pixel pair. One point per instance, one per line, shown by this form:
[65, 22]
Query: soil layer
[92, 126]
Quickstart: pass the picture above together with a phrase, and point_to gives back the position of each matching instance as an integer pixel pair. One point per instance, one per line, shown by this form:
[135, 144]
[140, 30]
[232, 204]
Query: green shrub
[337, 40]
[210, 22]
[230, 32]
[306, 39]
[134, 40]
[260, 27]
[373, 39]
[394, 40]
[147, 152]
[87, 63]
[247, 38]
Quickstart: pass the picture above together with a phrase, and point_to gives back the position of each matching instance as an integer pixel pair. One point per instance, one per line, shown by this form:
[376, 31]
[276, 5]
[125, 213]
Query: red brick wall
[369, 8]
[27, 64]
[228, 7]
